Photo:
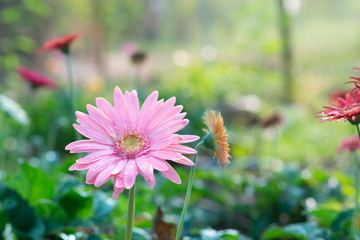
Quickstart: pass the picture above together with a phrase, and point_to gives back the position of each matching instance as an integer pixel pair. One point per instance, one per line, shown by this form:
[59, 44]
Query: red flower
[346, 109]
[35, 78]
[61, 43]
[349, 144]
[336, 94]
[357, 80]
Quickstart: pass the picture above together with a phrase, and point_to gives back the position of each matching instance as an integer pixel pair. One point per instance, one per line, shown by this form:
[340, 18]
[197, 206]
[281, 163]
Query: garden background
[255, 61]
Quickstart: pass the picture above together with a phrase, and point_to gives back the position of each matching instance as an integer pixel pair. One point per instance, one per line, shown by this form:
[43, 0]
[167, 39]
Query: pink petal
[132, 103]
[96, 168]
[150, 114]
[148, 103]
[104, 175]
[163, 114]
[158, 164]
[184, 160]
[95, 156]
[169, 127]
[130, 174]
[181, 149]
[88, 122]
[120, 105]
[188, 138]
[120, 166]
[172, 175]
[145, 166]
[117, 192]
[109, 111]
[162, 143]
[93, 135]
[150, 180]
[173, 156]
[119, 182]
[77, 166]
[86, 146]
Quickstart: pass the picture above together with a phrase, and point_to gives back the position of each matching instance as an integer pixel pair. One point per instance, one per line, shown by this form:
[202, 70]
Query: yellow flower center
[131, 143]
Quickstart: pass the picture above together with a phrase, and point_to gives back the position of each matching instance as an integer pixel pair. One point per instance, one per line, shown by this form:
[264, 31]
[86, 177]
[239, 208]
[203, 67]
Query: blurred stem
[137, 80]
[52, 135]
[356, 175]
[72, 95]
[71, 81]
[188, 192]
[130, 215]
[287, 55]
[2, 139]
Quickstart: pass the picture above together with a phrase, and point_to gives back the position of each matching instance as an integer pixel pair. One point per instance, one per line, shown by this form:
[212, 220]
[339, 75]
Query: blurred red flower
[61, 43]
[345, 109]
[357, 80]
[349, 144]
[336, 94]
[36, 79]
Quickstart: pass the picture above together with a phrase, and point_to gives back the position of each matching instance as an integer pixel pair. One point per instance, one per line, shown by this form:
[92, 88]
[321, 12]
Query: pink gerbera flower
[351, 144]
[61, 43]
[36, 79]
[126, 141]
[345, 109]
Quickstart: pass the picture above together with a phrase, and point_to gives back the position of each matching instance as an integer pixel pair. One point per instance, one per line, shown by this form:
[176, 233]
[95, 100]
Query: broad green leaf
[102, 206]
[32, 184]
[277, 232]
[77, 203]
[20, 214]
[53, 216]
[300, 231]
[324, 216]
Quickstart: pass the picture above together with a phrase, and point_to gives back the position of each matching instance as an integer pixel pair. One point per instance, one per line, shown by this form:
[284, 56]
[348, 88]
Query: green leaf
[77, 203]
[102, 206]
[342, 222]
[32, 184]
[2, 223]
[324, 216]
[300, 231]
[277, 232]
[10, 15]
[20, 214]
[53, 216]
[25, 44]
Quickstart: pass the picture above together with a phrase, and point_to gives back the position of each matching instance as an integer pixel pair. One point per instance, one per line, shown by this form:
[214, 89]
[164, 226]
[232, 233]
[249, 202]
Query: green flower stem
[130, 215]
[356, 175]
[72, 94]
[188, 192]
[71, 80]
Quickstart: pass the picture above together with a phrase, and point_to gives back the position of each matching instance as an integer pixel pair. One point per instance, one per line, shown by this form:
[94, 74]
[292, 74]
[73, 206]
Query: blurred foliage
[281, 183]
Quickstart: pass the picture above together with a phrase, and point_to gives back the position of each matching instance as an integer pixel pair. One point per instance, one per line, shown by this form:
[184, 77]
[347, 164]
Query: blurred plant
[63, 44]
[14, 110]
[137, 58]
[216, 140]
[351, 144]
[348, 109]
[36, 79]
[126, 141]
[272, 120]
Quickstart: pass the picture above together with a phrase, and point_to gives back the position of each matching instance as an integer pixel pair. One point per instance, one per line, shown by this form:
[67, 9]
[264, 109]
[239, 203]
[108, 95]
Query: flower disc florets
[132, 144]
